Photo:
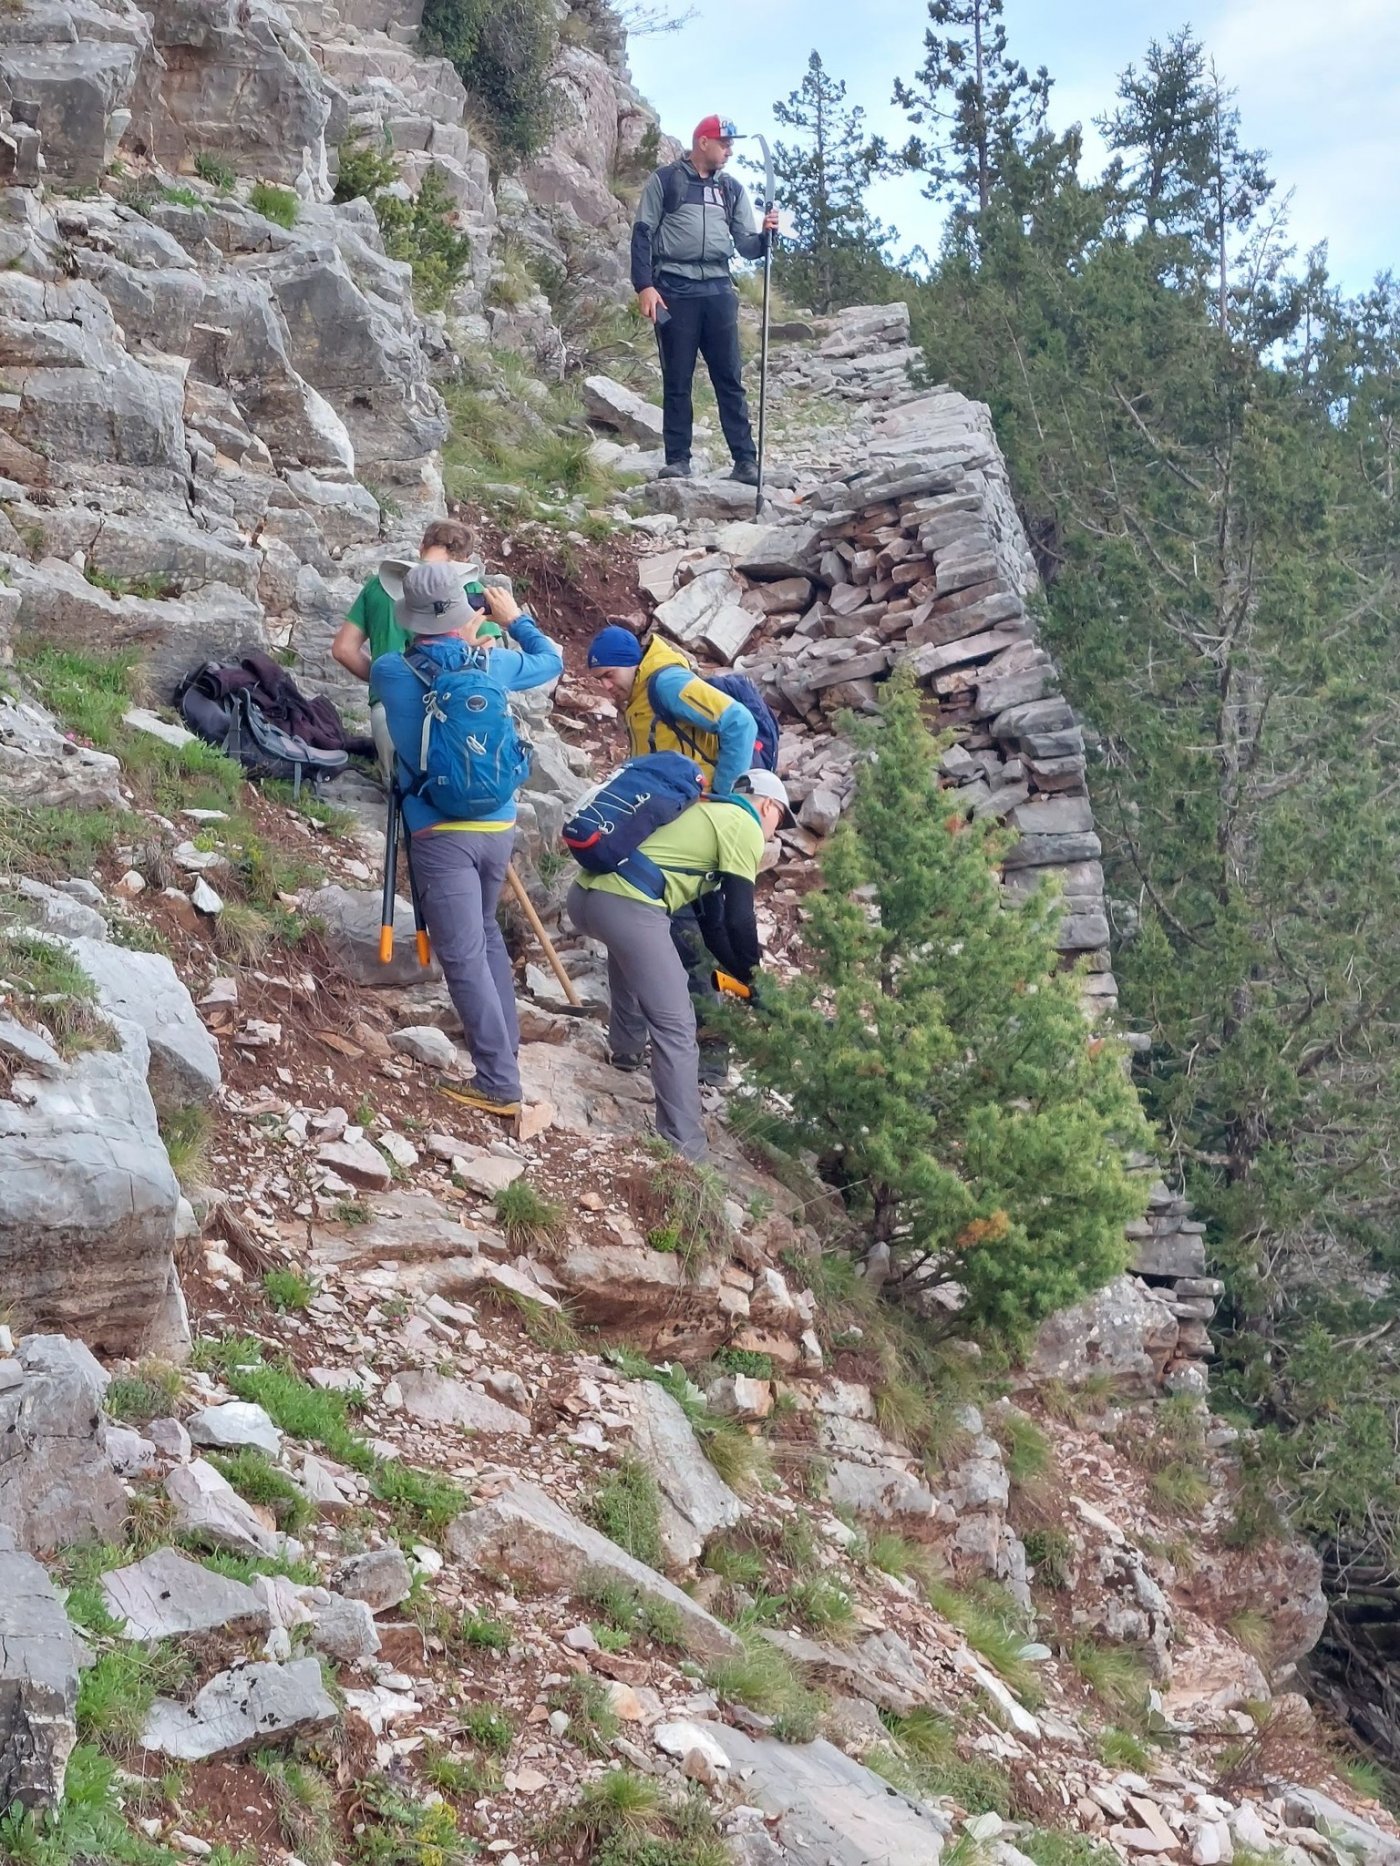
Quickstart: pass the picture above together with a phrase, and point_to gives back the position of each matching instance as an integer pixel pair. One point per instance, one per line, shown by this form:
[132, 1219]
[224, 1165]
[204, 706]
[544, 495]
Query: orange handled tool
[729, 986]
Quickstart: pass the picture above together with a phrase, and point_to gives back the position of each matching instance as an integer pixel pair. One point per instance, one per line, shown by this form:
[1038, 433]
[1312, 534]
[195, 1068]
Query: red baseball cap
[718, 129]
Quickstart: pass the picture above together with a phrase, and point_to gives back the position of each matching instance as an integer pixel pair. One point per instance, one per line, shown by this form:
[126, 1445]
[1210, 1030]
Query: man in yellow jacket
[668, 707]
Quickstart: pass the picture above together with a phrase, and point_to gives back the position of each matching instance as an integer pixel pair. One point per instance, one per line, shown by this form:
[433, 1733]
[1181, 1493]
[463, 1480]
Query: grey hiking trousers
[650, 997]
[460, 874]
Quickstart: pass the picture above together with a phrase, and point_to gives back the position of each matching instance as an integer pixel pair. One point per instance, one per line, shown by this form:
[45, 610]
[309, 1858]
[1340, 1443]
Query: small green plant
[149, 1393]
[1180, 1488]
[187, 1133]
[592, 1721]
[116, 1692]
[626, 1819]
[1050, 1553]
[627, 1508]
[89, 1824]
[1116, 1675]
[288, 1290]
[1026, 1448]
[488, 1726]
[53, 989]
[364, 170]
[992, 1624]
[246, 1568]
[484, 1630]
[681, 1208]
[180, 197]
[1053, 1846]
[1120, 1749]
[1254, 1631]
[401, 1831]
[215, 171]
[897, 1555]
[739, 1563]
[1368, 1778]
[255, 1477]
[421, 234]
[823, 1607]
[275, 204]
[550, 1327]
[923, 1760]
[243, 933]
[304, 1802]
[629, 1612]
[748, 1361]
[526, 1217]
[351, 1212]
[463, 1777]
[764, 1678]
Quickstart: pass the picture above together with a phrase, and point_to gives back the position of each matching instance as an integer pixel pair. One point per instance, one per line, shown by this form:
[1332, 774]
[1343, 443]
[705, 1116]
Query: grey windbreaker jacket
[700, 238]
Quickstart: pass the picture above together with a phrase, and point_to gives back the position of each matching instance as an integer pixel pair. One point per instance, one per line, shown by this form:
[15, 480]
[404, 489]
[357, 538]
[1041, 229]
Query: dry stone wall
[913, 554]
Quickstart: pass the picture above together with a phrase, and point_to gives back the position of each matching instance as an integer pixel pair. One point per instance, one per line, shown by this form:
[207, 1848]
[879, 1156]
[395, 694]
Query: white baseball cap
[761, 783]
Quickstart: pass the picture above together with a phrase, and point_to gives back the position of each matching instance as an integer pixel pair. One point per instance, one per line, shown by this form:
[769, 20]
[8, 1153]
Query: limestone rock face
[1122, 1330]
[56, 1485]
[43, 769]
[144, 988]
[238, 80]
[38, 1684]
[246, 1706]
[696, 1503]
[86, 1170]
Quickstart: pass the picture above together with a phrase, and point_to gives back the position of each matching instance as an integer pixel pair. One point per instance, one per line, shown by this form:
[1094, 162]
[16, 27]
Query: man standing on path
[691, 221]
[370, 631]
[714, 845]
[460, 865]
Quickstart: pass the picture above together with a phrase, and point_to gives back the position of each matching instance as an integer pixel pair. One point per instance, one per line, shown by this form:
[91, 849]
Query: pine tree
[1189, 174]
[836, 252]
[977, 104]
[938, 1065]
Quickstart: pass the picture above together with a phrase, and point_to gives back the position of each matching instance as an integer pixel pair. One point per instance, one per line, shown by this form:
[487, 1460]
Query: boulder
[44, 770]
[525, 1534]
[827, 1809]
[1281, 1580]
[248, 1706]
[350, 917]
[86, 1169]
[695, 1501]
[235, 1423]
[379, 1577]
[38, 1685]
[210, 1511]
[1349, 1834]
[166, 1595]
[344, 1629]
[60, 607]
[610, 404]
[144, 988]
[435, 1399]
[56, 1484]
[1123, 1330]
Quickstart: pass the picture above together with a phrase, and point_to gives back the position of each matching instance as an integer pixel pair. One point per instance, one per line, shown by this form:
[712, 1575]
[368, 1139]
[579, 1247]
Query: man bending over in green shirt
[715, 844]
[370, 630]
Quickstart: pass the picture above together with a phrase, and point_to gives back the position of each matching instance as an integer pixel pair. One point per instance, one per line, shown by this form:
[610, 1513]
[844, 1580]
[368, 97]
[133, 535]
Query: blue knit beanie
[614, 646]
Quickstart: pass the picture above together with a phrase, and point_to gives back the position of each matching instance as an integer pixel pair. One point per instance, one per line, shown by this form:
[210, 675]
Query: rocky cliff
[373, 1487]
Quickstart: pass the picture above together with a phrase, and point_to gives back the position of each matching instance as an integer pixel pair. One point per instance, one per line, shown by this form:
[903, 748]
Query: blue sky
[1318, 86]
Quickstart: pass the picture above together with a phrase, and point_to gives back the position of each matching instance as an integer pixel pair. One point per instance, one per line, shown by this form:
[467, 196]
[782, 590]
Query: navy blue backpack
[736, 687]
[605, 833]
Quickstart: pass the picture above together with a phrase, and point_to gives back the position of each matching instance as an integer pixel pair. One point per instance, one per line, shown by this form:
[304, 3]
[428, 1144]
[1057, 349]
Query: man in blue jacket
[691, 221]
[460, 867]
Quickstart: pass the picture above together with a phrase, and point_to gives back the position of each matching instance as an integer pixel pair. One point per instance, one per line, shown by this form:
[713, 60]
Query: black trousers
[704, 325]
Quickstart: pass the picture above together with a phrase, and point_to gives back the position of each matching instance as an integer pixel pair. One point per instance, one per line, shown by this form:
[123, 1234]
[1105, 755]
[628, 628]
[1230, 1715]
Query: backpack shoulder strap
[732, 188]
[674, 182]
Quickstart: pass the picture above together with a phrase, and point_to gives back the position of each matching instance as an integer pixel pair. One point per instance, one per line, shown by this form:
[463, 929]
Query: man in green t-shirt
[370, 630]
[715, 845]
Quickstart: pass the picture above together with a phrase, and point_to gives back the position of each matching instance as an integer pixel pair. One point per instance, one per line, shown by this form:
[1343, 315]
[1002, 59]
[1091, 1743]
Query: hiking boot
[628, 1063]
[485, 1104]
[746, 472]
[675, 469]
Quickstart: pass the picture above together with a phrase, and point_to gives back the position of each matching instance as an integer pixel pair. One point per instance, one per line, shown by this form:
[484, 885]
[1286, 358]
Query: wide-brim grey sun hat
[428, 598]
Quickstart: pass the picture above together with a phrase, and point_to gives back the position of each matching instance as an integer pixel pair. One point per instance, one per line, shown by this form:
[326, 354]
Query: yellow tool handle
[725, 982]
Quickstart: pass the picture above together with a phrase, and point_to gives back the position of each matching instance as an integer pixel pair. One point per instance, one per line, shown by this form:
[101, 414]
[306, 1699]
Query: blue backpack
[737, 687]
[472, 757]
[605, 833]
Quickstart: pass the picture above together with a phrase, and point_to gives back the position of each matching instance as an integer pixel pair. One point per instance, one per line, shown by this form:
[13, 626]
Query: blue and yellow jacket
[672, 709]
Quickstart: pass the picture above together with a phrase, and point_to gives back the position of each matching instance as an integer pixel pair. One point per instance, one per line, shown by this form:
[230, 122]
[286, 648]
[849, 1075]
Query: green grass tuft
[149, 1393]
[187, 1133]
[630, 1612]
[288, 1290]
[526, 1217]
[627, 1509]
[279, 205]
[257, 1479]
[1116, 1675]
[765, 1680]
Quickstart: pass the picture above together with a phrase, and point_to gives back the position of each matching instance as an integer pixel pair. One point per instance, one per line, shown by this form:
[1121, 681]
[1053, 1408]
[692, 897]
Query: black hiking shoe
[675, 469]
[746, 472]
[628, 1064]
